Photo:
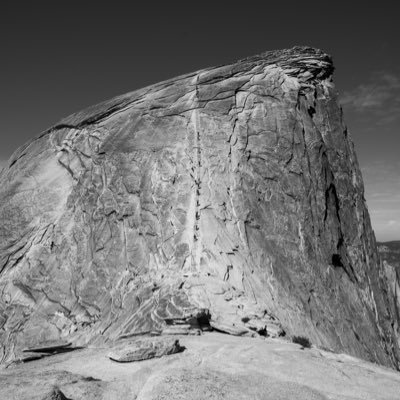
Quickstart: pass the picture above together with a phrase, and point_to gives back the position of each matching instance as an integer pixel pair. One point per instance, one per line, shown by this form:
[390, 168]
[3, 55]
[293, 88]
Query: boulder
[230, 327]
[144, 349]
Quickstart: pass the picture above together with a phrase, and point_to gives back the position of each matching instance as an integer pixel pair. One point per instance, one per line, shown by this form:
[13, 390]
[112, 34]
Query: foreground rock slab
[215, 366]
[144, 349]
[49, 347]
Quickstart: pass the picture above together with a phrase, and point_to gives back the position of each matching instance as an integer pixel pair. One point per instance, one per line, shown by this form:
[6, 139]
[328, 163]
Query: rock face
[230, 196]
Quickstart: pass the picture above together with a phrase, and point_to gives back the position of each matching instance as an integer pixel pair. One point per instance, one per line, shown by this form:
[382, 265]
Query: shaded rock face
[234, 190]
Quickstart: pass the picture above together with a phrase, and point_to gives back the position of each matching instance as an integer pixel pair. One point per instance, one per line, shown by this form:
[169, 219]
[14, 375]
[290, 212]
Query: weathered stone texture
[233, 189]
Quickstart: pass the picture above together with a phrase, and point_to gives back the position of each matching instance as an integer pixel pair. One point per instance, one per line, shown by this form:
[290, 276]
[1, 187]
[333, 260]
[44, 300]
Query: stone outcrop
[234, 190]
[145, 349]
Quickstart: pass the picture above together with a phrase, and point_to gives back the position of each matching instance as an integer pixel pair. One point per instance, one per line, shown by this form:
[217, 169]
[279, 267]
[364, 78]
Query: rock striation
[229, 198]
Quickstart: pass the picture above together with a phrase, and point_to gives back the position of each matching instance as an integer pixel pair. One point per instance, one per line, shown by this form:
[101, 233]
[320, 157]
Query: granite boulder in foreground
[228, 197]
[144, 349]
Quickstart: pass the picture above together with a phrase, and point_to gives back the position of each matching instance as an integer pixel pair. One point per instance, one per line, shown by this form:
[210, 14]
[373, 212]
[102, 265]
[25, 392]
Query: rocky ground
[212, 366]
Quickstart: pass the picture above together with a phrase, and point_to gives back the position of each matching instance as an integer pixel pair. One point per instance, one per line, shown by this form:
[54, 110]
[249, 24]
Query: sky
[59, 57]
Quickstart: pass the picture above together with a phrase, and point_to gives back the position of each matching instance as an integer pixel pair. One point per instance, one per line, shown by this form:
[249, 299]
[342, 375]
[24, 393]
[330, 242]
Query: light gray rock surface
[234, 190]
[49, 347]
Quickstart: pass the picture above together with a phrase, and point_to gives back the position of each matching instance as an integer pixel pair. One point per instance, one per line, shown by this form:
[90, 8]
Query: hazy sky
[59, 57]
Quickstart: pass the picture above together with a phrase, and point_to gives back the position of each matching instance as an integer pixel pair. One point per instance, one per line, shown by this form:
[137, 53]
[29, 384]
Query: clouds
[382, 192]
[380, 96]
